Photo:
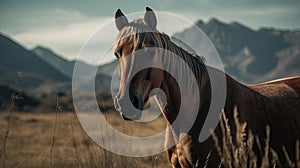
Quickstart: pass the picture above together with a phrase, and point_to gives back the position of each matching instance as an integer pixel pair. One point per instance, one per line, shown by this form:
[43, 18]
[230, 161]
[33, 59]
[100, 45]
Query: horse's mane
[135, 33]
[195, 62]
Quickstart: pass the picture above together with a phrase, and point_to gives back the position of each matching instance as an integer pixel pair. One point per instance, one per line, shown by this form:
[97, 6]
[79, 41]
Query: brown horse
[275, 104]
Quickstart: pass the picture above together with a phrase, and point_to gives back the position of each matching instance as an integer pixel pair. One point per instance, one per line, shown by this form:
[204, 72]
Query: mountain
[24, 69]
[60, 63]
[87, 71]
[55, 60]
[251, 55]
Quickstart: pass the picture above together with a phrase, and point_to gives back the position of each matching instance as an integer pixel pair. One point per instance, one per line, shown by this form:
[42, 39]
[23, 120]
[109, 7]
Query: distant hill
[102, 78]
[252, 55]
[11, 99]
[60, 63]
[55, 60]
[36, 74]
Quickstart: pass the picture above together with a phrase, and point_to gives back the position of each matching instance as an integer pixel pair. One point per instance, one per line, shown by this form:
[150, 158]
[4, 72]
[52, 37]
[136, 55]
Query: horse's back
[281, 97]
[281, 105]
[281, 88]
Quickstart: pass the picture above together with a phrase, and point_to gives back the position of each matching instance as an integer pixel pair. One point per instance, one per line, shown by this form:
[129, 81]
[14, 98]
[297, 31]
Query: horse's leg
[170, 148]
[192, 153]
[184, 151]
[183, 154]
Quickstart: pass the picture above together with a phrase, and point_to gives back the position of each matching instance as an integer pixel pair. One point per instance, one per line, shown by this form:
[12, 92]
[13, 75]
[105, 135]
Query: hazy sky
[64, 25]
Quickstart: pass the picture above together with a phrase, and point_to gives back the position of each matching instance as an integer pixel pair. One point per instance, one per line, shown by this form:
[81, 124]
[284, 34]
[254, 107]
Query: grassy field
[57, 140]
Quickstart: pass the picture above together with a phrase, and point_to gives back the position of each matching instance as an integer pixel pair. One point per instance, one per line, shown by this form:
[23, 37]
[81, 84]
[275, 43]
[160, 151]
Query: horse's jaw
[137, 117]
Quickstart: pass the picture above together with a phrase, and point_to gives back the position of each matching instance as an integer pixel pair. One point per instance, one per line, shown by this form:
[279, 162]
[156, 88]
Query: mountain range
[248, 55]
[24, 69]
[41, 71]
[59, 62]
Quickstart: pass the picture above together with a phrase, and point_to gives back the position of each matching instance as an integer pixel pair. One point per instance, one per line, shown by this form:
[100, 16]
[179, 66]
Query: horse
[275, 103]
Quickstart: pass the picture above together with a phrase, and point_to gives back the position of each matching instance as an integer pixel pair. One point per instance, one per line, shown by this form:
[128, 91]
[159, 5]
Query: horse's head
[134, 47]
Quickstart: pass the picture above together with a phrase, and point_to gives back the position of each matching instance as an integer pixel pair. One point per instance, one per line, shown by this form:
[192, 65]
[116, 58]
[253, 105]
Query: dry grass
[57, 140]
[238, 151]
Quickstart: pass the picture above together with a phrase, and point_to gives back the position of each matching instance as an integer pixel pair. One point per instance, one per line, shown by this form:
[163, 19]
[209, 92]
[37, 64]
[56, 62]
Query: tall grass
[83, 151]
[53, 137]
[11, 108]
[297, 156]
[238, 151]
[237, 154]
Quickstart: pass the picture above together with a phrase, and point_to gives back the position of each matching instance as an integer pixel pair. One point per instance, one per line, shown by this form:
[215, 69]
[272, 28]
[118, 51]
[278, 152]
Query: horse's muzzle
[129, 110]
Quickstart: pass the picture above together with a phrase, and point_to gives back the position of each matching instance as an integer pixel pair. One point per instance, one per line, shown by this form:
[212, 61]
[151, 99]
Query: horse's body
[275, 104]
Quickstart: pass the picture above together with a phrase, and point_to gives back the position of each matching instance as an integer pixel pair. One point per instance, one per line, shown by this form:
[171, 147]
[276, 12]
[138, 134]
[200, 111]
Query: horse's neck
[172, 92]
[239, 95]
[191, 105]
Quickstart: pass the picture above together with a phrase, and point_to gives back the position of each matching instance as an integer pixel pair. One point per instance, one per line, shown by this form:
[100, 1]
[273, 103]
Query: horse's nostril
[124, 117]
[134, 101]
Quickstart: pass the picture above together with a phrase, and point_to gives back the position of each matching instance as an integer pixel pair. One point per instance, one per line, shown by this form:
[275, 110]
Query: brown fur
[275, 104]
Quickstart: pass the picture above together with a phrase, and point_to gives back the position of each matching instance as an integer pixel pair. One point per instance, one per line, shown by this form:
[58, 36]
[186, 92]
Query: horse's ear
[120, 20]
[150, 18]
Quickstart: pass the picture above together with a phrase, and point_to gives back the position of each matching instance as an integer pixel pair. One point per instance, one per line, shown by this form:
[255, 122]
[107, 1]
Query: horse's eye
[149, 73]
[140, 46]
[118, 53]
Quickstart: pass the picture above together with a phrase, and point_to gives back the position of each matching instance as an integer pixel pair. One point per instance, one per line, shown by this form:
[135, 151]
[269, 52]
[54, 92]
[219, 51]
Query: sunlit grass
[58, 140]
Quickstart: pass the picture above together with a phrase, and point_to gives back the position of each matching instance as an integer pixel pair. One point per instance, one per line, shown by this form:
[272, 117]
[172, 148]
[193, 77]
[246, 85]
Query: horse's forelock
[134, 32]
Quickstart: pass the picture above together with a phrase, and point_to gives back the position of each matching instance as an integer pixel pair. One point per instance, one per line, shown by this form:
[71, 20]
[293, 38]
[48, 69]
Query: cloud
[31, 20]
[66, 39]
